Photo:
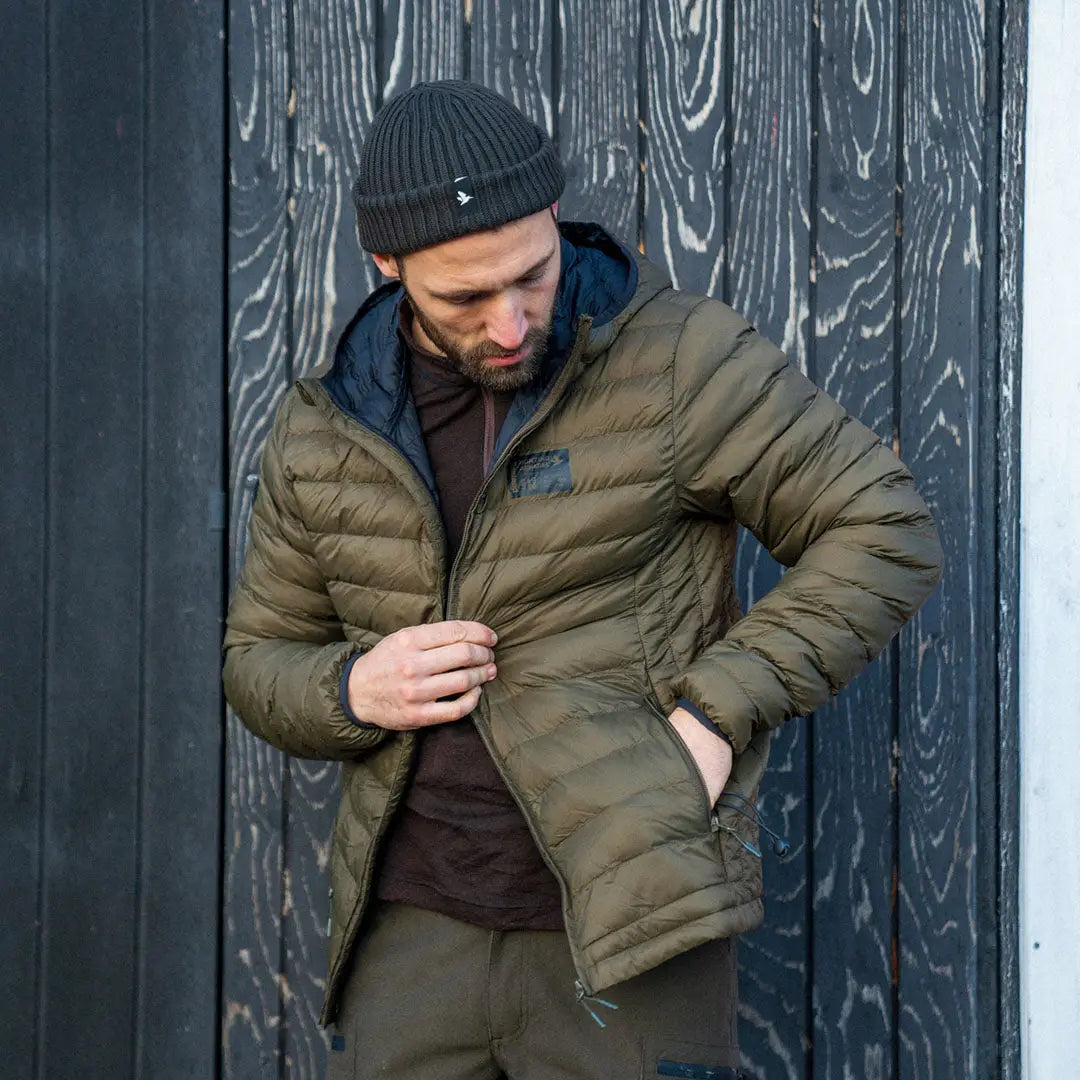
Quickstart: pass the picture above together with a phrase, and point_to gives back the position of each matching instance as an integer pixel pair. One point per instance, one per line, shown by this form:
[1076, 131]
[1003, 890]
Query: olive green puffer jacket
[600, 549]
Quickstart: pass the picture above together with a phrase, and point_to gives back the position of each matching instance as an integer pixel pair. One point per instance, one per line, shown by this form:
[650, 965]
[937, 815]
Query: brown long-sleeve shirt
[459, 843]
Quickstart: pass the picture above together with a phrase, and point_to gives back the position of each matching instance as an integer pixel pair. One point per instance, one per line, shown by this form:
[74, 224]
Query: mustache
[535, 335]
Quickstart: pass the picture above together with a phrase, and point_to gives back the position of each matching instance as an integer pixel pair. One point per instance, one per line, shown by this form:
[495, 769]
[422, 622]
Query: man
[490, 570]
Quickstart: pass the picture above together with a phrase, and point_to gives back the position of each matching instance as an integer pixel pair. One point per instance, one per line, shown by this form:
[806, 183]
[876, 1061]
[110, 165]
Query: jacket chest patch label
[544, 473]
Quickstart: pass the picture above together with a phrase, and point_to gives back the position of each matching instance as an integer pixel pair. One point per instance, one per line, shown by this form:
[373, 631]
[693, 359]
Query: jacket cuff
[343, 693]
[701, 718]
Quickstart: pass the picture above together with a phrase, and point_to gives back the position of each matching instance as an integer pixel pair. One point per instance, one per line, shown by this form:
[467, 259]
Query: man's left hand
[711, 752]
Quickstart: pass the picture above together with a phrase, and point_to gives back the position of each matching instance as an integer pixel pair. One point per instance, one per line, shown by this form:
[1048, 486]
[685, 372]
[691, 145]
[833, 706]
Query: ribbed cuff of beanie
[406, 221]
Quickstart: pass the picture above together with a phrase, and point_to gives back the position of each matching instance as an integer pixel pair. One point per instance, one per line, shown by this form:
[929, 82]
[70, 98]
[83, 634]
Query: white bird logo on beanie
[465, 193]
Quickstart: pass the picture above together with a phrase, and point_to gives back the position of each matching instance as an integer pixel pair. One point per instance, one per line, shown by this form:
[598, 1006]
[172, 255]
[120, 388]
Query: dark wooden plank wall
[253, 983]
[768, 69]
[818, 164]
[24, 329]
[111, 583]
[844, 174]
[941, 56]
[853, 342]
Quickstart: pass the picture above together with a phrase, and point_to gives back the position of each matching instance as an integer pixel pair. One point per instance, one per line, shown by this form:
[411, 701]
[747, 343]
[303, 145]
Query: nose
[507, 324]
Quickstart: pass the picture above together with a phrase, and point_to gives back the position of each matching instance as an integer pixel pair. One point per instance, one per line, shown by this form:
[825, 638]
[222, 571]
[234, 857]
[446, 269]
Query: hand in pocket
[711, 752]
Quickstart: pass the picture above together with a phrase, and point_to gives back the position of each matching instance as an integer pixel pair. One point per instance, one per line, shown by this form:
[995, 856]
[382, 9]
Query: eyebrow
[468, 294]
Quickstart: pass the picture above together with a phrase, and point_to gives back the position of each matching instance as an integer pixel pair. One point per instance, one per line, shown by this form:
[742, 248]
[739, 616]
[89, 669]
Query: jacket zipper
[581, 985]
[430, 511]
[404, 759]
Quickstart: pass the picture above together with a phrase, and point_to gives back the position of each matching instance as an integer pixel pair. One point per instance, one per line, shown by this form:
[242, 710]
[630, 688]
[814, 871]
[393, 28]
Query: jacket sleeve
[754, 439]
[284, 647]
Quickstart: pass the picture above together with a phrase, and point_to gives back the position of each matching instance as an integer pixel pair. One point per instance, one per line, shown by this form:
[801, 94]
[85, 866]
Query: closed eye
[460, 300]
[533, 276]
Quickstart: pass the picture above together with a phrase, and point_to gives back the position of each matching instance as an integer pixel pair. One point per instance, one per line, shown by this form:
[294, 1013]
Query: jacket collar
[599, 279]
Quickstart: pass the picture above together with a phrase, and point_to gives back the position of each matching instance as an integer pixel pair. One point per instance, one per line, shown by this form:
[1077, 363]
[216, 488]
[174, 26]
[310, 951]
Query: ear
[387, 265]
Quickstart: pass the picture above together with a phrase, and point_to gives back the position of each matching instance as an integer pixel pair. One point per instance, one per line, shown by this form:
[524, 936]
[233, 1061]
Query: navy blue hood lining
[367, 380]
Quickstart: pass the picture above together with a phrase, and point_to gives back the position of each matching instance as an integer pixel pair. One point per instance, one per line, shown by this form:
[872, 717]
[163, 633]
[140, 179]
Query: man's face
[485, 300]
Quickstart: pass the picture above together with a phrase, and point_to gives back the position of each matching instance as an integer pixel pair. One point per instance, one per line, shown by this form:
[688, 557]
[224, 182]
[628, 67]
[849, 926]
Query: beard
[473, 363]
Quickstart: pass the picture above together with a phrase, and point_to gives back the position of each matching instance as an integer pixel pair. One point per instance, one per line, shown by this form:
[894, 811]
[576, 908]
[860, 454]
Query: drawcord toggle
[584, 1000]
[780, 846]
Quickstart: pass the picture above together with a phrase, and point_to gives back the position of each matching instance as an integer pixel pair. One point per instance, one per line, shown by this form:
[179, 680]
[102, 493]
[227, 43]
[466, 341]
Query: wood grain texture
[23, 526]
[95, 547]
[768, 279]
[259, 367]
[854, 359]
[512, 51]
[942, 125]
[177, 1029]
[685, 227]
[597, 113]
[420, 40]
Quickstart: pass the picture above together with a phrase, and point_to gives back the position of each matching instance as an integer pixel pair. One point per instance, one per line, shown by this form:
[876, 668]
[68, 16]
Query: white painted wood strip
[1050, 554]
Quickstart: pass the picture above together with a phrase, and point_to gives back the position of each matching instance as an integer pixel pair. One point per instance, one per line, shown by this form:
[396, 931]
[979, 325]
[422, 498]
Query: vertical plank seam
[556, 76]
[643, 120]
[548, 87]
[466, 41]
[728, 52]
[293, 105]
[812, 373]
[987, 1043]
[897, 400]
[138, 911]
[377, 58]
[898, 223]
[37, 1064]
[1014, 59]
[283, 947]
[223, 549]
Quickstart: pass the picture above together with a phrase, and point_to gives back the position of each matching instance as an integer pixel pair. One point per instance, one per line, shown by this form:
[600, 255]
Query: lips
[507, 359]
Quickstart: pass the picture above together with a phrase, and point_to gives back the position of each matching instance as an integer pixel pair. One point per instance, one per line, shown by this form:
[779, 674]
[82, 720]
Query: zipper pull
[583, 999]
[745, 843]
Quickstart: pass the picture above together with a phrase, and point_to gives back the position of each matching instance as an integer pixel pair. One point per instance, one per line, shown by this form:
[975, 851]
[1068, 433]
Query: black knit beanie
[448, 158]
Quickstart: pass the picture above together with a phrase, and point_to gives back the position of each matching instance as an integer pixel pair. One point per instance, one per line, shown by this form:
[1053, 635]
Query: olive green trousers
[432, 998]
